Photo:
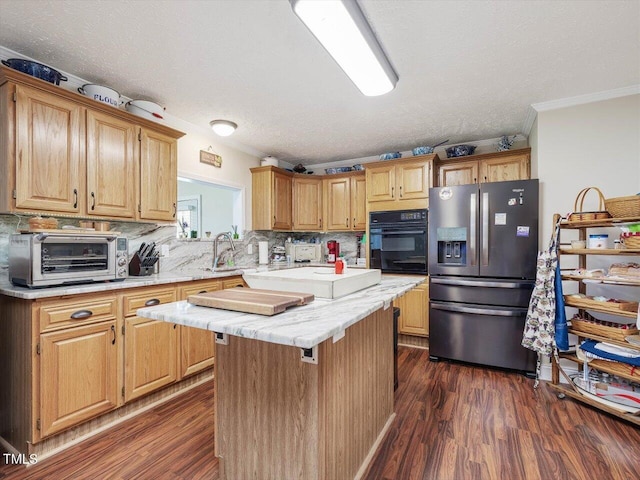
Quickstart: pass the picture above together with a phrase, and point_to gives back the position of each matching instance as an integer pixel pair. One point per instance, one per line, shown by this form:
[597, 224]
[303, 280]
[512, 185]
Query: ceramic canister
[598, 241]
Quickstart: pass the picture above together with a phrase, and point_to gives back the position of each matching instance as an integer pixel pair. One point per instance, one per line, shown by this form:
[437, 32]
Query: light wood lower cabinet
[150, 346]
[78, 375]
[414, 311]
[66, 360]
[197, 346]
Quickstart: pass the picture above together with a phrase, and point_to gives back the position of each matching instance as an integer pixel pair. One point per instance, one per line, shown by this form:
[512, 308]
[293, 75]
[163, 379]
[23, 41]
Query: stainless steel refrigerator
[483, 245]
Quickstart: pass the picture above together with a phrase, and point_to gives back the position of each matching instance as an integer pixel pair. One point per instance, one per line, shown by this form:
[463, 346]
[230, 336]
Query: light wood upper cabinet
[459, 173]
[413, 180]
[271, 199]
[399, 184]
[158, 176]
[509, 167]
[111, 159]
[307, 207]
[345, 206]
[66, 154]
[381, 182]
[487, 167]
[78, 375]
[359, 202]
[414, 311]
[48, 148]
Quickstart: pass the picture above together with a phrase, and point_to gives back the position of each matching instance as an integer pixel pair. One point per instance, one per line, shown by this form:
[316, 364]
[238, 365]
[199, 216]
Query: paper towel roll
[263, 253]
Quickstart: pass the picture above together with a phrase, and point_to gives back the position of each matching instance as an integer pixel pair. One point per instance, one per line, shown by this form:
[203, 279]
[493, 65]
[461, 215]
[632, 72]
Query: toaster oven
[49, 259]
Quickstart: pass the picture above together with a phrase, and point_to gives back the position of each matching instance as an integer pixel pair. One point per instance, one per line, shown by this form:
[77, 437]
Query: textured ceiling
[469, 70]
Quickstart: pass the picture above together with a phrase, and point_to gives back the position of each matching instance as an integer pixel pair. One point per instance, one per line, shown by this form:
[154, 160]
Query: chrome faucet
[218, 254]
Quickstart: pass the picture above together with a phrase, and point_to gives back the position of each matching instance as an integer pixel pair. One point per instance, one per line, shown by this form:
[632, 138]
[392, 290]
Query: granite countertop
[303, 326]
[6, 288]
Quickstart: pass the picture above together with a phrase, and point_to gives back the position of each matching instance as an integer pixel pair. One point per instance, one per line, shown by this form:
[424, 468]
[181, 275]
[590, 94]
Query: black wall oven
[398, 241]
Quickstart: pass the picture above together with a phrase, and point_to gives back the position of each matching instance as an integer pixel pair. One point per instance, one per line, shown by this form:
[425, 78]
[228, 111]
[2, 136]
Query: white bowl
[145, 109]
[101, 94]
[578, 244]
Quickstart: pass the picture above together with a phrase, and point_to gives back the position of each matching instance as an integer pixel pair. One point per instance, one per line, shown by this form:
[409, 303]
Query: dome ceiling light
[224, 128]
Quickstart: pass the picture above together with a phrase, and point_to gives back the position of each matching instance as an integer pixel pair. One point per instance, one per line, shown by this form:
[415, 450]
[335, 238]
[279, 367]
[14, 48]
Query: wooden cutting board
[250, 300]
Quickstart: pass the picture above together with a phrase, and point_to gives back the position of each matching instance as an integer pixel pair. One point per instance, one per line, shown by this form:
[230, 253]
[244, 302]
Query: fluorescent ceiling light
[340, 26]
[224, 128]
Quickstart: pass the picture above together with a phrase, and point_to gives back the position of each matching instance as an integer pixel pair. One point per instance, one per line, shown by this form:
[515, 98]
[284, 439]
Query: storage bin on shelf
[623, 207]
[591, 326]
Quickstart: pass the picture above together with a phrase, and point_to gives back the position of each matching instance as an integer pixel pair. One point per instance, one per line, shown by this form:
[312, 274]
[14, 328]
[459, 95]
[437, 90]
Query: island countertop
[302, 326]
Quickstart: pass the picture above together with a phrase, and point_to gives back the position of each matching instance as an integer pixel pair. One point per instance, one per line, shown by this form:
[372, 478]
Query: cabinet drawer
[233, 282]
[194, 288]
[63, 314]
[147, 298]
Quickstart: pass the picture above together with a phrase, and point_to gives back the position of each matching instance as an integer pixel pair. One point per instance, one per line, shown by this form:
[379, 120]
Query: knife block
[137, 270]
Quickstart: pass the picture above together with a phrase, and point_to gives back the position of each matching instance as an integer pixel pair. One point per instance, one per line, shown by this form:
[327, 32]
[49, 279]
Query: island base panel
[278, 417]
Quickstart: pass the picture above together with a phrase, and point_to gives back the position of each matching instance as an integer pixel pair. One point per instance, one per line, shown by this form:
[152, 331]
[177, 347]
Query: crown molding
[535, 108]
[588, 98]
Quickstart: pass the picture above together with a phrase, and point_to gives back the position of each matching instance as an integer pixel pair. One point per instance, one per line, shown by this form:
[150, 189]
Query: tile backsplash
[188, 255]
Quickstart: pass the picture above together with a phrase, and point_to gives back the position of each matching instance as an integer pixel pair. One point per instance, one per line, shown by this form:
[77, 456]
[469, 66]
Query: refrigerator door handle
[485, 229]
[473, 283]
[473, 205]
[478, 311]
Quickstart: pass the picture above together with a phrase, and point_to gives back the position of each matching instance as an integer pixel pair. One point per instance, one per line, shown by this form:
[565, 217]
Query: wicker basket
[579, 215]
[615, 333]
[631, 240]
[623, 207]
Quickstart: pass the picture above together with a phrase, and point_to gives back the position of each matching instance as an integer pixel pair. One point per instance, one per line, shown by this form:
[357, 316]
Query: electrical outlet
[164, 250]
[250, 249]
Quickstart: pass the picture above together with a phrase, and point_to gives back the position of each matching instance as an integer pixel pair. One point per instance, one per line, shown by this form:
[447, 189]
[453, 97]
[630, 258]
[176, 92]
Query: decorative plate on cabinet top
[390, 156]
[460, 150]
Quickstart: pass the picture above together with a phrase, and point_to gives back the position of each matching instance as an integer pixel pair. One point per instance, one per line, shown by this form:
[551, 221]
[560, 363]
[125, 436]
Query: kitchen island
[304, 394]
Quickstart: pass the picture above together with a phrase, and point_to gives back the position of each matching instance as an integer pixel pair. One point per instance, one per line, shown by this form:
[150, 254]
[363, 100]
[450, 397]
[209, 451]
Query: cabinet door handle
[75, 198]
[392, 191]
[400, 188]
[151, 302]
[113, 330]
[202, 291]
[320, 223]
[354, 222]
[485, 179]
[175, 210]
[475, 180]
[81, 314]
[93, 201]
[347, 220]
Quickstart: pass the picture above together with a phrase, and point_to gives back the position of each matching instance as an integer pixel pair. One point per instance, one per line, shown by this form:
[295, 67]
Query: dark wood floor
[453, 422]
